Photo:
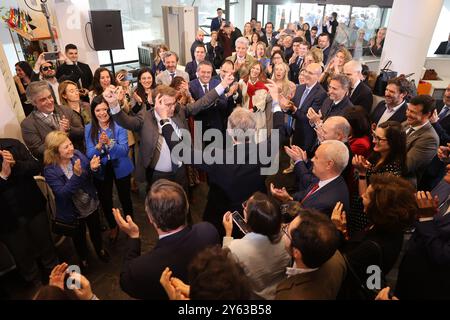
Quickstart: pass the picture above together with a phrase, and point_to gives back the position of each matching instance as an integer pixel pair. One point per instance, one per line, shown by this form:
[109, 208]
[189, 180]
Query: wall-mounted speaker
[106, 29]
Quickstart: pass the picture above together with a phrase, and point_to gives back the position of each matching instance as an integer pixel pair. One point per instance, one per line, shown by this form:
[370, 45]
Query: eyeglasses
[48, 68]
[285, 230]
[376, 138]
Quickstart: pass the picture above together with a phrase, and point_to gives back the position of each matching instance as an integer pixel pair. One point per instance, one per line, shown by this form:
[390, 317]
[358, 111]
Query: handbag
[430, 74]
[64, 228]
[385, 75]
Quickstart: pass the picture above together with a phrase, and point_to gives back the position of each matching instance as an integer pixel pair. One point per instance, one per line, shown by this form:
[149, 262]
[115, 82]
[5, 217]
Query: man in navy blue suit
[199, 56]
[211, 118]
[328, 187]
[308, 95]
[167, 208]
[217, 21]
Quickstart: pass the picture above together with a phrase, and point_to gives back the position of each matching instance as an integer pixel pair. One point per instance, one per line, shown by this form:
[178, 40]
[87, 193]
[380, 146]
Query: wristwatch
[163, 121]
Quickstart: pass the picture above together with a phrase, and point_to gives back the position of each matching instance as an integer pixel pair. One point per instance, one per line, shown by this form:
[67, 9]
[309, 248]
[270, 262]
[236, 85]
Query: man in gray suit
[155, 160]
[47, 117]
[170, 60]
[422, 140]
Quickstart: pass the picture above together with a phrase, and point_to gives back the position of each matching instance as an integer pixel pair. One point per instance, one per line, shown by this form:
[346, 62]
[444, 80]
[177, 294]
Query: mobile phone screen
[51, 56]
[239, 221]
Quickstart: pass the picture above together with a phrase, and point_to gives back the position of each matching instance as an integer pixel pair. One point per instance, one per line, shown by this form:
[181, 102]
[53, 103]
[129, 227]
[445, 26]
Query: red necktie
[313, 189]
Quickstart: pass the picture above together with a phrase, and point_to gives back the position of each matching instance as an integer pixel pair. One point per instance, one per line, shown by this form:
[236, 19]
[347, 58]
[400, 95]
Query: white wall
[442, 28]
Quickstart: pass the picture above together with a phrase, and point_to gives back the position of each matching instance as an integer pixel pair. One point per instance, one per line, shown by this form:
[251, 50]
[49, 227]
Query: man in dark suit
[240, 170]
[300, 48]
[319, 268]
[260, 32]
[324, 43]
[270, 34]
[211, 118]
[422, 140]
[360, 93]
[394, 106]
[336, 103]
[441, 119]
[330, 25]
[308, 95]
[424, 272]
[198, 42]
[167, 208]
[217, 21]
[328, 186]
[191, 67]
[154, 157]
[24, 227]
[74, 70]
[444, 47]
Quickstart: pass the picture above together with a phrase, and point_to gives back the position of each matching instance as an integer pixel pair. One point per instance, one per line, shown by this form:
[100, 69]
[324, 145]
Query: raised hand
[384, 295]
[296, 153]
[280, 194]
[227, 222]
[110, 95]
[161, 108]
[7, 156]
[64, 124]
[166, 283]
[313, 116]
[137, 98]
[95, 163]
[227, 80]
[77, 170]
[360, 164]
[428, 205]
[273, 90]
[103, 139]
[339, 218]
[434, 117]
[84, 292]
[57, 276]
[128, 226]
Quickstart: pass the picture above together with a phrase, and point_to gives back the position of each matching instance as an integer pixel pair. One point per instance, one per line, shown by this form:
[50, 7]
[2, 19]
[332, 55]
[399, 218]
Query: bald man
[198, 42]
[308, 95]
[360, 93]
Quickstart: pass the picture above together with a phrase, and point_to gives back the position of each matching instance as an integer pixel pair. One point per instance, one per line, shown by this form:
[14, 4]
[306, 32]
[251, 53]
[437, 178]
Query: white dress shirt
[388, 113]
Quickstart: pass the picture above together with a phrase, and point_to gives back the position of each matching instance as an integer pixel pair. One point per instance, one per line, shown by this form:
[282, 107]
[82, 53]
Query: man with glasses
[319, 268]
[46, 70]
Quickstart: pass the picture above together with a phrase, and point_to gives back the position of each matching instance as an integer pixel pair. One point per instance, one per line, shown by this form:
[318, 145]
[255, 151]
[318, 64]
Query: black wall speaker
[106, 29]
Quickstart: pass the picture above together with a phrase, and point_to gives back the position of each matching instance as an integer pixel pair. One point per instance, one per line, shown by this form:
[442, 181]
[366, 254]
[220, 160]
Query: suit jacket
[362, 96]
[34, 131]
[191, 69]
[399, 115]
[326, 54]
[325, 198]
[145, 123]
[421, 148]
[244, 70]
[19, 194]
[215, 24]
[273, 40]
[165, 78]
[294, 69]
[74, 73]
[304, 135]
[442, 47]
[330, 110]
[216, 116]
[442, 128]
[140, 274]
[424, 272]
[194, 45]
[232, 183]
[322, 284]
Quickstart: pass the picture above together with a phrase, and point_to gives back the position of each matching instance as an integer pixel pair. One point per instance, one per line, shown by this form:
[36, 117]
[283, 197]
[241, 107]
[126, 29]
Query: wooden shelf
[28, 36]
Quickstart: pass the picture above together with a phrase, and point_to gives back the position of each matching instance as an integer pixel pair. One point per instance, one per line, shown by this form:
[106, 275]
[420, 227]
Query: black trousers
[93, 223]
[105, 194]
[30, 241]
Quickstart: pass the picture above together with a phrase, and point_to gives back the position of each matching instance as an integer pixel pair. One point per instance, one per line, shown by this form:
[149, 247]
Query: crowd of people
[364, 175]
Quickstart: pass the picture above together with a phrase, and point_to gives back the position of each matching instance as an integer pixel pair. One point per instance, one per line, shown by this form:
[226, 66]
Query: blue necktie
[303, 98]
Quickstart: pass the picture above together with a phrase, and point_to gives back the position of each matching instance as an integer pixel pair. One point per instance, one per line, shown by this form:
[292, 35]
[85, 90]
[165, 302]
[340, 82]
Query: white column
[409, 34]
[71, 19]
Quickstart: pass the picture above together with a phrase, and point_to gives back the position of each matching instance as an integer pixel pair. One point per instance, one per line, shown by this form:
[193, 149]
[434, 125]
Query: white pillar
[71, 19]
[409, 33]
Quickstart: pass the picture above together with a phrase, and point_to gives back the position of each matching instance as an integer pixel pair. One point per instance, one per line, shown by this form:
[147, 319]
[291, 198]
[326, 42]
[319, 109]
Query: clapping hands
[280, 194]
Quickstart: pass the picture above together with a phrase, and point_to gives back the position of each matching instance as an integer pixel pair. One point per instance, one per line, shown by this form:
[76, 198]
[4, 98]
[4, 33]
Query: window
[312, 14]
[343, 12]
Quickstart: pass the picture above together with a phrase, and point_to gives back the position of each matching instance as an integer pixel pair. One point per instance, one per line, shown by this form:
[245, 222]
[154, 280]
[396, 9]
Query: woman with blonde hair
[335, 66]
[248, 31]
[69, 174]
[314, 55]
[280, 77]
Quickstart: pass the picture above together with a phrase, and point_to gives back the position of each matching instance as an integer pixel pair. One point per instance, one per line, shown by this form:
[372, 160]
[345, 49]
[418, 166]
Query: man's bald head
[312, 74]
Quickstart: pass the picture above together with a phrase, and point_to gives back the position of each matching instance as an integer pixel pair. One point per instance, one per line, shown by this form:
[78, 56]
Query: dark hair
[263, 216]
[95, 127]
[277, 52]
[177, 81]
[140, 88]
[201, 46]
[324, 34]
[98, 90]
[424, 100]
[267, 24]
[316, 238]
[343, 80]
[253, 19]
[227, 61]
[401, 83]
[253, 34]
[392, 206]
[42, 65]
[298, 39]
[314, 28]
[334, 14]
[167, 205]
[215, 275]
[25, 66]
[70, 46]
[219, 9]
[396, 138]
[359, 121]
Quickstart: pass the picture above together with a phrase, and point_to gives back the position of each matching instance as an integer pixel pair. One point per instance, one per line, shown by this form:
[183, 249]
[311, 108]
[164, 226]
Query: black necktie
[205, 88]
[172, 75]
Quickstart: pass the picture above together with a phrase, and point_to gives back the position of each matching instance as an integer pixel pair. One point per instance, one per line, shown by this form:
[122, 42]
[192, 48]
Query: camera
[49, 56]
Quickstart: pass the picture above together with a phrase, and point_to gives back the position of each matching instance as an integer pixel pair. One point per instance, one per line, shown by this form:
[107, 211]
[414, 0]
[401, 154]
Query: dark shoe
[103, 255]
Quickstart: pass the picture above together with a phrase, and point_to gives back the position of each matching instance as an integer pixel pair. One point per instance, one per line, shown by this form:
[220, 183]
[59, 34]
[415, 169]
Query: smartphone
[239, 221]
[128, 77]
[48, 56]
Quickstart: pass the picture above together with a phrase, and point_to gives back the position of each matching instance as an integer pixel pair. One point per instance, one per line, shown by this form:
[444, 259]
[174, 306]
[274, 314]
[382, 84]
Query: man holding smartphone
[46, 70]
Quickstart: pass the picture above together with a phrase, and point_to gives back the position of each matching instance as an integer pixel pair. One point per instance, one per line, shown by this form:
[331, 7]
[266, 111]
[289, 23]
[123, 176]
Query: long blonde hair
[285, 87]
[52, 142]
